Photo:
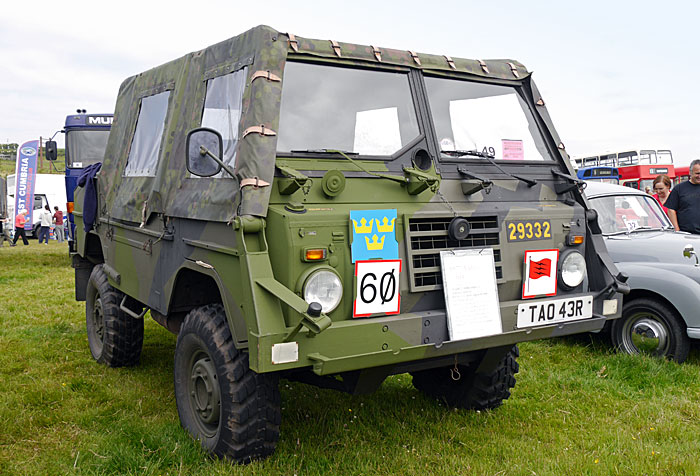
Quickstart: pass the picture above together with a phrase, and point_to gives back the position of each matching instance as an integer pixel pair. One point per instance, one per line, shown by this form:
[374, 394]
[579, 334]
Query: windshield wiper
[489, 157]
[462, 153]
[322, 151]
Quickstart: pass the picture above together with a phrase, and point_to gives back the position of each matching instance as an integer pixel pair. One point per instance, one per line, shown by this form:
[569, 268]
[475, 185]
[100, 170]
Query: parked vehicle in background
[600, 174]
[334, 214]
[682, 174]
[637, 168]
[86, 140]
[49, 190]
[660, 314]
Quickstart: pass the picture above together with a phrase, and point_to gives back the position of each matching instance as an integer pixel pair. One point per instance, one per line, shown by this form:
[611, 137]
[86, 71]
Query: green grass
[7, 167]
[577, 408]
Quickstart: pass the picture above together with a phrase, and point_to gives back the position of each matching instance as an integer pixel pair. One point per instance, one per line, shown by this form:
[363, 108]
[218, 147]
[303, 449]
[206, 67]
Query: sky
[615, 75]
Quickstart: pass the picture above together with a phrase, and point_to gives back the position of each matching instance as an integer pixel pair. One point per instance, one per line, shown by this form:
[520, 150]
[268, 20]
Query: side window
[143, 156]
[222, 111]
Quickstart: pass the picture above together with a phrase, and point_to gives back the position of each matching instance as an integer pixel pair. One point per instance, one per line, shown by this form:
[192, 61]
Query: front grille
[426, 237]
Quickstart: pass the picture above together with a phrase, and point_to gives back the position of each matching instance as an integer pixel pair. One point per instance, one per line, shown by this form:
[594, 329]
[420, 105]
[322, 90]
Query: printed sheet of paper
[471, 295]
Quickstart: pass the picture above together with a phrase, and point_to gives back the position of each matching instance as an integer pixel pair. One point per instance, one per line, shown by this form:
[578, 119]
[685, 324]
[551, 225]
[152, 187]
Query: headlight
[325, 288]
[573, 269]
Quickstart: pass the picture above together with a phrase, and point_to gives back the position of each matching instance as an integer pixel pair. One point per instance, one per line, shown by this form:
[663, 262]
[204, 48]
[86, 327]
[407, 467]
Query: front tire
[233, 411]
[473, 391]
[651, 327]
[115, 338]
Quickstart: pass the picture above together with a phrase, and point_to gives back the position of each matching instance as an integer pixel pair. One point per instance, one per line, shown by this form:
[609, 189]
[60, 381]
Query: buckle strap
[415, 57]
[336, 47]
[450, 62]
[261, 130]
[484, 67]
[267, 75]
[293, 42]
[255, 182]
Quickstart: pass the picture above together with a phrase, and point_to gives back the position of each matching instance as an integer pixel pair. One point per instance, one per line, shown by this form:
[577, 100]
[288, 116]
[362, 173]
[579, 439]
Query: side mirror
[200, 144]
[51, 150]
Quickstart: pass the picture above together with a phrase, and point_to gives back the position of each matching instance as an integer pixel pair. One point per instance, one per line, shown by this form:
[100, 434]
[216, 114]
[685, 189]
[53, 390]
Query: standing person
[662, 187]
[5, 231]
[46, 219]
[58, 220]
[20, 220]
[683, 203]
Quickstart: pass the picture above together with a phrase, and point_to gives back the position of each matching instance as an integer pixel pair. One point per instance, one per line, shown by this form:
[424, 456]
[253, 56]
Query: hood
[663, 247]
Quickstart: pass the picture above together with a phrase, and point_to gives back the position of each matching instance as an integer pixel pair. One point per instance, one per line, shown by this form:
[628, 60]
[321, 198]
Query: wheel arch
[674, 289]
[194, 286]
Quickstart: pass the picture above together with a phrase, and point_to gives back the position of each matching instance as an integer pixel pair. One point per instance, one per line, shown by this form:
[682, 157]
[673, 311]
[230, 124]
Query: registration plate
[554, 311]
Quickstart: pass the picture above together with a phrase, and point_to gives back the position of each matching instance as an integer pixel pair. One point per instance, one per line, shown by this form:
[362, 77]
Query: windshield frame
[523, 92]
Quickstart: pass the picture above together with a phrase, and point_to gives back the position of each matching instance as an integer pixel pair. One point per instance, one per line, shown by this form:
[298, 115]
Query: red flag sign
[539, 269]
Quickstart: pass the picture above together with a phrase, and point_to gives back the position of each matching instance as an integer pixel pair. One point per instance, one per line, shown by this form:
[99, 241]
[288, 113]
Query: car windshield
[354, 110]
[487, 118]
[85, 147]
[627, 213]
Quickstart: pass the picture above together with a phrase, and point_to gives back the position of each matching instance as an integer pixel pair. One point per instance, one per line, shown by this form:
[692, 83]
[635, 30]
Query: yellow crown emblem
[363, 227]
[375, 245]
[386, 227]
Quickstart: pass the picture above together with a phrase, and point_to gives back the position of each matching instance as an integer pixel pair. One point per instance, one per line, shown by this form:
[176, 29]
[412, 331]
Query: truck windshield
[359, 111]
[483, 117]
[85, 147]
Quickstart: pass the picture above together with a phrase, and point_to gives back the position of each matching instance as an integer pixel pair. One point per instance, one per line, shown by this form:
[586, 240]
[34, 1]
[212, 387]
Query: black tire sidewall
[93, 292]
[188, 343]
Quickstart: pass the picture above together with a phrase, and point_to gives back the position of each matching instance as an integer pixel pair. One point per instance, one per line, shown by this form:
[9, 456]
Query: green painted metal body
[172, 242]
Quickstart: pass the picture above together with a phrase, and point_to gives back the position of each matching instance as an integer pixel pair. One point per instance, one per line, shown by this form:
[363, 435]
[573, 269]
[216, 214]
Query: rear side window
[145, 146]
[222, 111]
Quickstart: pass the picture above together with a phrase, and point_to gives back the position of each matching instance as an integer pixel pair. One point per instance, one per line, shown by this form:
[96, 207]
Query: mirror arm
[204, 151]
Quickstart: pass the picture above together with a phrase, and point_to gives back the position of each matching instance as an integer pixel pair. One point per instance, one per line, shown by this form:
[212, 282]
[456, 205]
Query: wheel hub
[204, 393]
[649, 336]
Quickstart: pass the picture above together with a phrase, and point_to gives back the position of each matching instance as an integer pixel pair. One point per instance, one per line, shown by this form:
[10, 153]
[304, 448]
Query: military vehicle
[333, 214]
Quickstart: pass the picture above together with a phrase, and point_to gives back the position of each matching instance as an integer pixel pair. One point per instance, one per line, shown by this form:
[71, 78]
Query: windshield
[360, 111]
[484, 117]
[85, 148]
[626, 213]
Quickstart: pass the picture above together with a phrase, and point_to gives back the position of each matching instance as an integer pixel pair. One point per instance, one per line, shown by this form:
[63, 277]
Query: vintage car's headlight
[573, 269]
[325, 288]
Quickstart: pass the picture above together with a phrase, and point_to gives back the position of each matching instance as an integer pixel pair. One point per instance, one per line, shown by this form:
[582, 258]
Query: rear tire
[474, 391]
[233, 411]
[651, 327]
[115, 338]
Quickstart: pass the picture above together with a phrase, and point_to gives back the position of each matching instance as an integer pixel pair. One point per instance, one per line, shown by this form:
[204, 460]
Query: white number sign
[377, 290]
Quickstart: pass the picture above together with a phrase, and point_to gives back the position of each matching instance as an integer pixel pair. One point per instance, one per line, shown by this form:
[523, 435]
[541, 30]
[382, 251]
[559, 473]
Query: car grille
[427, 237]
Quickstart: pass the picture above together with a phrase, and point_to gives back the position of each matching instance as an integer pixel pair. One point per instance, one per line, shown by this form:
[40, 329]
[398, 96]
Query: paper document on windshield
[471, 294]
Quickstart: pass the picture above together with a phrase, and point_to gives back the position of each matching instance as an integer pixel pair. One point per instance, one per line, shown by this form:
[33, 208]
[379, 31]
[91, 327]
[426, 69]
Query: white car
[662, 312]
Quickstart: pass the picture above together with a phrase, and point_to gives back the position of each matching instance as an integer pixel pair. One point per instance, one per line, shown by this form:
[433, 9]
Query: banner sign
[25, 179]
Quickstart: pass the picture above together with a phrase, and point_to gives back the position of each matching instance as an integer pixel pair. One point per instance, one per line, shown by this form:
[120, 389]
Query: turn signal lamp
[315, 254]
[69, 207]
[575, 240]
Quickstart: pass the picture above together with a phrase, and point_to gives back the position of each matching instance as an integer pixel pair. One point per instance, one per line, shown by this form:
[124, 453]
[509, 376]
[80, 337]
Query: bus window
[647, 156]
[627, 158]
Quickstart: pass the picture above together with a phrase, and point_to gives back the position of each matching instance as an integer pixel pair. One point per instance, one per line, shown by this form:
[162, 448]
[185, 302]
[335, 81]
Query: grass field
[577, 408]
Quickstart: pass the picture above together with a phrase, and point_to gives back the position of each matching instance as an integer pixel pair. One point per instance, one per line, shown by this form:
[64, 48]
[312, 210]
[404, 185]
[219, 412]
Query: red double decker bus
[682, 174]
[637, 168]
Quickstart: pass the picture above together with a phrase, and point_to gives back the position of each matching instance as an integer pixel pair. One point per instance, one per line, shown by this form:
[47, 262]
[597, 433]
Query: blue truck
[85, 143]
